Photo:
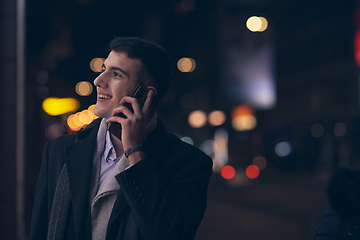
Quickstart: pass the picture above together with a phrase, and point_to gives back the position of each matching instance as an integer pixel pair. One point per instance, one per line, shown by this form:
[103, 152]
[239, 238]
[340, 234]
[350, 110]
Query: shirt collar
[109, 151]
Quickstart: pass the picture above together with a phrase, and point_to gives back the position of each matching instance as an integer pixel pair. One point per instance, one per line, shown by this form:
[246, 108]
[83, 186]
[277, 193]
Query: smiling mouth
[103, 96]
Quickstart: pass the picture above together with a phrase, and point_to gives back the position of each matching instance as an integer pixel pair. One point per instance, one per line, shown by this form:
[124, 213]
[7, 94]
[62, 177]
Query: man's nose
[100, 81]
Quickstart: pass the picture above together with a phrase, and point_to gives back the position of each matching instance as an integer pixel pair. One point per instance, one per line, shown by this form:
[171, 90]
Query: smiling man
[148, 185]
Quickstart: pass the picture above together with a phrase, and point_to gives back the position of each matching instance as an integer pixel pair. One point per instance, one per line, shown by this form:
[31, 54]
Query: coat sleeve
[171, 208]
[40, 212]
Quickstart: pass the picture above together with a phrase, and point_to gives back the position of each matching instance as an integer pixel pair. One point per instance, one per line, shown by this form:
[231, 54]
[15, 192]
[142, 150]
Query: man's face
[118, 79]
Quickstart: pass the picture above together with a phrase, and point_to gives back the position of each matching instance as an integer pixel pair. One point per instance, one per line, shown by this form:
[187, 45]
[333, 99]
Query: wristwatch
[133, 149]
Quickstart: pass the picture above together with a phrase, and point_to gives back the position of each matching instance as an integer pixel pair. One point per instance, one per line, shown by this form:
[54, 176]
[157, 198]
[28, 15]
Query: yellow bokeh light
[71, 123]
[91, 109]
[254, 24]
[186, 64]
[76, 120]
[217, 118]
[58, 106]
[244, 123]
[84, 88]
[81, 119]
[264, 24]
[96, 64]
[84, 117]
[197, 119]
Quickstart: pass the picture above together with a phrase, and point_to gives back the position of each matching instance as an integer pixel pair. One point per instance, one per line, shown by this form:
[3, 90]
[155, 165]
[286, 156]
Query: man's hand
[133, 127]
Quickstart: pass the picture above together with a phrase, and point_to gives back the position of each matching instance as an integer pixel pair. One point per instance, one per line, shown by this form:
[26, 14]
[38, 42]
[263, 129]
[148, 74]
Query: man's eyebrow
[119, 69]
[116, 68]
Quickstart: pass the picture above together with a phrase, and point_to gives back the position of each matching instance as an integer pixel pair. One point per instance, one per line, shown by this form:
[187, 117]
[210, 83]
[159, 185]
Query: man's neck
[117, 145]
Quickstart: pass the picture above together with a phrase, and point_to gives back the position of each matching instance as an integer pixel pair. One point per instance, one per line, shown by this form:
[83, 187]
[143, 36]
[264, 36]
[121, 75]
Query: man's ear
[154, 101]
[152, 88]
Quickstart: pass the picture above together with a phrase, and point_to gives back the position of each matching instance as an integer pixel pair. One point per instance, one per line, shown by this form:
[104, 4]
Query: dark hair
[156, 67]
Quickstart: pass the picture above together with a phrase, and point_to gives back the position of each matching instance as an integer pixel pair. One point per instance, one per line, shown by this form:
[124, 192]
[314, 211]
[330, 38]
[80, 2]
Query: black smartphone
[140, 93]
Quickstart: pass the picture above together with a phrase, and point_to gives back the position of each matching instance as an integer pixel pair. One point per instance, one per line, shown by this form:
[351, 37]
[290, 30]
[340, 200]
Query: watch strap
[133, 149]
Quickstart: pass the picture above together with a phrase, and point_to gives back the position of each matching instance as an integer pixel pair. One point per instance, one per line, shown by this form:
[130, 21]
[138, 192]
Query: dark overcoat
[160, 197]
[341, 218]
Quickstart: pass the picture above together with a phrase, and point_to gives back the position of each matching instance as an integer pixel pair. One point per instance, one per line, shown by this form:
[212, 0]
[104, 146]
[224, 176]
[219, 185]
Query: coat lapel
[79, 159]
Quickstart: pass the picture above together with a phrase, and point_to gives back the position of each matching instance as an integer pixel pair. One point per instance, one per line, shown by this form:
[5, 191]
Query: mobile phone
[140, 93]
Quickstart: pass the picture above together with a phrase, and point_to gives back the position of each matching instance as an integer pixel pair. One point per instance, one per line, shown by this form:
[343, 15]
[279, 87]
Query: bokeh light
[197, 119]
[81, 119]
[72, 125]
[216, 118]
[260, 162]
[85, 118]
[264, 24]
[96, 64]
[76, 120]
[243, 118]
[220, 148]
[186, 64]
[53, 131]
[227, 172]
[254, 24]
[257, 24]
[317, 130]
[252, 171]
[244, 123]
[84, 88]
[339, 129]
[283, 149]
[91, 109]
[207, 147]
[57, 106]
[187, 140]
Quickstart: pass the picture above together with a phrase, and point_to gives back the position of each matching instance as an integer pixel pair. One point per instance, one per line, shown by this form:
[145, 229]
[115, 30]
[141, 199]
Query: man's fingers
[121, 109]
[133, 101]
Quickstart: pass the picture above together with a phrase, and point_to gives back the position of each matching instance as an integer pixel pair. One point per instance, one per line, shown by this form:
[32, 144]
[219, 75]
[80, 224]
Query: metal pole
[20, 120]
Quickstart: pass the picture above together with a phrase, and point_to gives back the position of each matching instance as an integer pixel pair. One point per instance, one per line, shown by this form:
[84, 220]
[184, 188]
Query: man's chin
[101, 114]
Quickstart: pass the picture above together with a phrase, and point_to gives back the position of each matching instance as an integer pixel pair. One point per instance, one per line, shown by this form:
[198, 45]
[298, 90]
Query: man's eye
[117, 74]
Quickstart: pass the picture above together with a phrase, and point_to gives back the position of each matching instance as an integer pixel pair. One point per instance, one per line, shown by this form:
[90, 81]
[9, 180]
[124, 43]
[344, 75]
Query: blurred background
[268, 88]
